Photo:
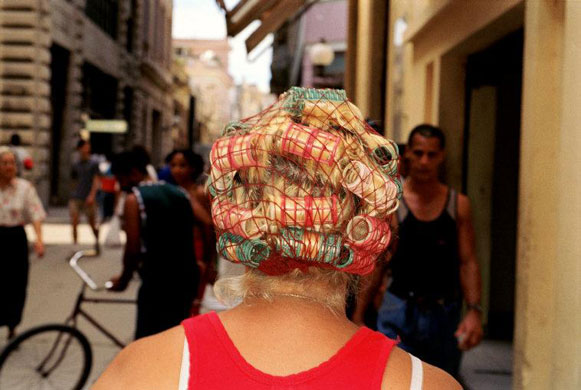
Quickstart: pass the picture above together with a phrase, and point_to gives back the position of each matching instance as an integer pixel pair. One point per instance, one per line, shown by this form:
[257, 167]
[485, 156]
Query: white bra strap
[185, 369]
[417, 373]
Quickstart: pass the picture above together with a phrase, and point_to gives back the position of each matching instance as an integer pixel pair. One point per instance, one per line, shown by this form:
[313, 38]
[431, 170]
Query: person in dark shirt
[434, 265]
[159, 223]
[85, 174]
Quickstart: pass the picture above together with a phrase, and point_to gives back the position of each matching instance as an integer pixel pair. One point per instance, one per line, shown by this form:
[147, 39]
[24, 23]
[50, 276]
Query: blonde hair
[327, 287]
[306, 183]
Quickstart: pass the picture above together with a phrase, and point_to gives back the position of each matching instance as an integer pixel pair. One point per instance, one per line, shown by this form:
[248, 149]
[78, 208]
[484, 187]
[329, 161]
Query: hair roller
[232, 153]
[241, 250]
[368, 234]
[360, 262]
[220, 182]
[370, 186]
[311, 212]
[310, 246]
[235, 127]
[311, 143]
[384, 152]
[238, 220]
[302, 101]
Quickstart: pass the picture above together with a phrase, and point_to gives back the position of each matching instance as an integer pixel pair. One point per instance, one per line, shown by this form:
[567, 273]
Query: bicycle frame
[78, 311]
[68, 332]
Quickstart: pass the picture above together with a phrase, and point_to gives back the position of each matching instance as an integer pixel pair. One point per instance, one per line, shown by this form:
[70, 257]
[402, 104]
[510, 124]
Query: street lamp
[321, 55]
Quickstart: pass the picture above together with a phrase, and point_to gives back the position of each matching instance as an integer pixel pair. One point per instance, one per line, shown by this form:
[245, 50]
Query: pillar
[547, 345]
[370, 62]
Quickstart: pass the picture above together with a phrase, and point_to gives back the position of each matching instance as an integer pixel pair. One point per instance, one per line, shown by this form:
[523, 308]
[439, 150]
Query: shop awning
[272, 14]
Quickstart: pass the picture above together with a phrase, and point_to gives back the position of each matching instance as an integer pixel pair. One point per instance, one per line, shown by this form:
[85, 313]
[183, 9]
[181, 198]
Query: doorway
[491, 171]
[59, 70]
[100, 102]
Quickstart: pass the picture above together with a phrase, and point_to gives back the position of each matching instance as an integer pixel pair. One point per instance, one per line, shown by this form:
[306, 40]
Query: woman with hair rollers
[302, 194]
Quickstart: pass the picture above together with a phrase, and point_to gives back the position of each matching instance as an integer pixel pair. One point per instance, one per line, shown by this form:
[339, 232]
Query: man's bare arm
[470, 329]
[132, 254]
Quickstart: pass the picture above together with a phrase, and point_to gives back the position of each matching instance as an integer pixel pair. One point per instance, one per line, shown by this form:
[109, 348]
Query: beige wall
[439, 37]
[547, 336]
[210, 83]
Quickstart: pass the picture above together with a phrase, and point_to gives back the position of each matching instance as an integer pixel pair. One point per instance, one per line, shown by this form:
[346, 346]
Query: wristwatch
[474, 306]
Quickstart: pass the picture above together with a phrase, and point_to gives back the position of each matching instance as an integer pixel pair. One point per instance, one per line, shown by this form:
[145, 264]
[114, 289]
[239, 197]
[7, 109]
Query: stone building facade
[206, 63]
[64, 61]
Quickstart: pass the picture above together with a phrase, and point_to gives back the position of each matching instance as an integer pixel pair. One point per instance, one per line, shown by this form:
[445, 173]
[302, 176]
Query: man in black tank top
[434, 265]
[159, 224]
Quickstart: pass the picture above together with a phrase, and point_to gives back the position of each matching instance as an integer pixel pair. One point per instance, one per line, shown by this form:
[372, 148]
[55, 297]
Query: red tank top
[216, 364]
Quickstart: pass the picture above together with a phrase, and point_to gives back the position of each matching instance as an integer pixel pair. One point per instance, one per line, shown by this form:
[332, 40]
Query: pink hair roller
[363, 262]
[235, 219]
[310, 143]
[233, 153]
[308, 212]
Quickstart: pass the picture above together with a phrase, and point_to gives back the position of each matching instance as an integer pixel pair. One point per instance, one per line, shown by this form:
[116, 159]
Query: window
[105, 14]
[131, 26]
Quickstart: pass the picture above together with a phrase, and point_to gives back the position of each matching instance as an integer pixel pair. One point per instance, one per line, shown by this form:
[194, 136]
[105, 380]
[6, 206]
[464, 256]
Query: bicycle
[56, 353]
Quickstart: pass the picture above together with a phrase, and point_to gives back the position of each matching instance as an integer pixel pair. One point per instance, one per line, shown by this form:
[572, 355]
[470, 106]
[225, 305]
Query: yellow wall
[547, 345]
[440, 35]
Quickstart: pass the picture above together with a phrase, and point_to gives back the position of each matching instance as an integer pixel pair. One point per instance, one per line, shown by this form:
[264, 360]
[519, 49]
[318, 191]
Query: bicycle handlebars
[73, 262]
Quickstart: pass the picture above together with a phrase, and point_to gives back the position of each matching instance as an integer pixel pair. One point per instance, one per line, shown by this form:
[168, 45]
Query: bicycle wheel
[46, 357]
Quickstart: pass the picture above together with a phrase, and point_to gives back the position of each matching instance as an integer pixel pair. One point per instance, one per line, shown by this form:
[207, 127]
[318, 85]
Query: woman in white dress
[19, 205]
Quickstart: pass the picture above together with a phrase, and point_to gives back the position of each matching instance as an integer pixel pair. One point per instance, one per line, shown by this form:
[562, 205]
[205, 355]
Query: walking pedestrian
[301, 195]
[19, 205]
[159, 223]
[434, 266]
[186, 166]
[85, 174]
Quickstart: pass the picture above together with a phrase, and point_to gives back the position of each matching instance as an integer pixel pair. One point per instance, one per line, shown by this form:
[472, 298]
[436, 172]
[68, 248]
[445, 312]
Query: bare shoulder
[437, 379]
[397, 375]
[149, 363]
[463, 207]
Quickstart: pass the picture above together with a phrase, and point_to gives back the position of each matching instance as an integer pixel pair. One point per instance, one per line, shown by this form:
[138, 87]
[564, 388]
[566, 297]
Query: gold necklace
[306, 298]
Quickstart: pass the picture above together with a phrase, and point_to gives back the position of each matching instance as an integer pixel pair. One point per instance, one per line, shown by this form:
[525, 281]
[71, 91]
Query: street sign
[106, 126]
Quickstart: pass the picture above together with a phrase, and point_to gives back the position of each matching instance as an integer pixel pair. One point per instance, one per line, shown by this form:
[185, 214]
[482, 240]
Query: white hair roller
[372, 187]
[368, 234]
